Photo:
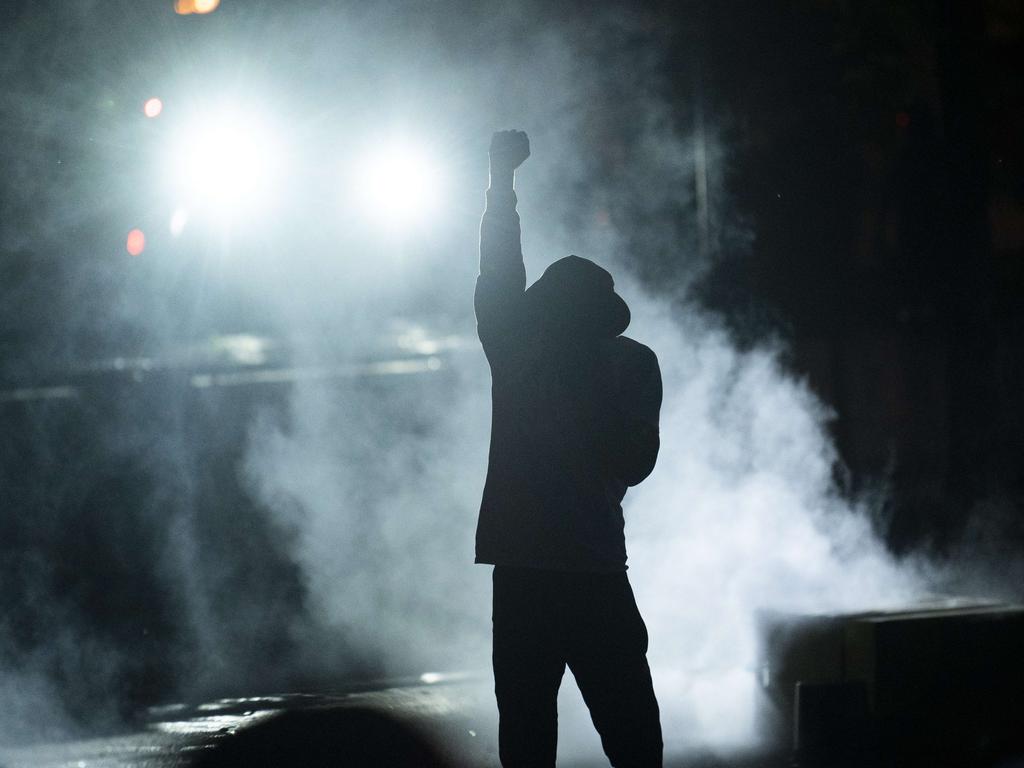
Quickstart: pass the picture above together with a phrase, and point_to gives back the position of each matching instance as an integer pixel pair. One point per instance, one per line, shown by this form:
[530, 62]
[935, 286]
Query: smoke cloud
[742, 513]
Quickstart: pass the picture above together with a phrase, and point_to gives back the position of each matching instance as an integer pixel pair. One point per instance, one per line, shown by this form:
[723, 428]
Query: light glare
[178, 221]
[224, 162]
[398, 184]
[152, 107]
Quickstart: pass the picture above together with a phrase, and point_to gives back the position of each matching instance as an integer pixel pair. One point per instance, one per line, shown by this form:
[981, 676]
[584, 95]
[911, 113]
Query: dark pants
[544, 620]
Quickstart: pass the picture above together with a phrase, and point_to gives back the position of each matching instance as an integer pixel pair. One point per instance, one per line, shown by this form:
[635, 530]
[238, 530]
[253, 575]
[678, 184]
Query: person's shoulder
[634, 352]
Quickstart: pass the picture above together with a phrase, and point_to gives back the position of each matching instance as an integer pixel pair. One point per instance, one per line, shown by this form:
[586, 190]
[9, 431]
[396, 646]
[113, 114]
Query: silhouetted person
[574, 422]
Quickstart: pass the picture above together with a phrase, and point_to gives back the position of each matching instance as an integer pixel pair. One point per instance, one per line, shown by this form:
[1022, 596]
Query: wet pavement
[182, 734]
[440, 706]
[452, 714]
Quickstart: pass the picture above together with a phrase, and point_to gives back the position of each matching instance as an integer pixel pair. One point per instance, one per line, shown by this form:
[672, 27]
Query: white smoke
[740, 515]
[379, 484]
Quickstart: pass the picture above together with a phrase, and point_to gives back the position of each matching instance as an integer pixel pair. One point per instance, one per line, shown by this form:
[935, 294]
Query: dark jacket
[575, 406]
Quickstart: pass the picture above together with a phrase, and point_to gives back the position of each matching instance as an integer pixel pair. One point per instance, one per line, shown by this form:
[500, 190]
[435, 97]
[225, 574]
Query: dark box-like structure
[936, 684]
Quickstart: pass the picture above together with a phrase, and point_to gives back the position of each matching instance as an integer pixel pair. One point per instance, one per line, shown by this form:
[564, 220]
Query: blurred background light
[398, 184]
[136, 242]
[152, 107]
[185, 7]
[178, 221]
[225, 162]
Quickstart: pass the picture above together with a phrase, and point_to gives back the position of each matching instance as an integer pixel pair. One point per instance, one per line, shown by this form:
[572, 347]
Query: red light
[136, 243]
[152, 107]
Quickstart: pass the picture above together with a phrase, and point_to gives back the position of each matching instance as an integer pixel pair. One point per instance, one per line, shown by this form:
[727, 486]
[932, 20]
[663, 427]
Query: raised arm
[502, 280]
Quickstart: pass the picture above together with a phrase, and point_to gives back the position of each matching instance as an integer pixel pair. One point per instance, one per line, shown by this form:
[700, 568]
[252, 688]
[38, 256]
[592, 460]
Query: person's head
[575, 298]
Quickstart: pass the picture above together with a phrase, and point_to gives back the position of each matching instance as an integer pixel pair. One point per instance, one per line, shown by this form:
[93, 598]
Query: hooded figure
[574, 417]
[574, 423]
[575, 297]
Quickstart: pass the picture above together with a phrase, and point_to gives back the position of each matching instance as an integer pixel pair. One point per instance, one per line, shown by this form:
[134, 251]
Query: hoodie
[574, 407]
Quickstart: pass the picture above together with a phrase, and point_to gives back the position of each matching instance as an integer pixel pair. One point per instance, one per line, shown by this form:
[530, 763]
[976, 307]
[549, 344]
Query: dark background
[881, 162]
[875, 152]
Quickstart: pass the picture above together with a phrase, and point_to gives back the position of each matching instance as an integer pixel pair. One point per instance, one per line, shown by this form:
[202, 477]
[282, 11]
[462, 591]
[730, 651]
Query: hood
[575, 297]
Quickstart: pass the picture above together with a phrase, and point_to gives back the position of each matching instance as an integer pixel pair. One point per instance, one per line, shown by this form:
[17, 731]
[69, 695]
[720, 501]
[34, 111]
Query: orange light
[152, 107]
[185, 7]
[136, 242]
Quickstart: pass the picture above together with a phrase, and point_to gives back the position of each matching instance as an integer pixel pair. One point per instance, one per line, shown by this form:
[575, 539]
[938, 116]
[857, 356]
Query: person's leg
[608, 656]
[528, 668]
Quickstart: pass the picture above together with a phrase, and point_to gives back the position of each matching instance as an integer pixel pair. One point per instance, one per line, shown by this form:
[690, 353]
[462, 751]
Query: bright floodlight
[398, 184]
[224, 162]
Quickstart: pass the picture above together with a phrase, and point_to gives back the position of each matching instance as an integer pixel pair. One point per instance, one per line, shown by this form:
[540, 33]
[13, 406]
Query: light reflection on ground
[213, 723]
[456, 709]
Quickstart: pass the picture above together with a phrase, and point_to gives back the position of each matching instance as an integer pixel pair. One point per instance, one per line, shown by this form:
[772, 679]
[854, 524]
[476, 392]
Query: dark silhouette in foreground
[574, 423]
[355, 737]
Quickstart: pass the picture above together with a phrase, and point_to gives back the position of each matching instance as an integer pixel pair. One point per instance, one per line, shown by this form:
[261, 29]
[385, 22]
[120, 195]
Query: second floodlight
[397, 184]
[225, 162]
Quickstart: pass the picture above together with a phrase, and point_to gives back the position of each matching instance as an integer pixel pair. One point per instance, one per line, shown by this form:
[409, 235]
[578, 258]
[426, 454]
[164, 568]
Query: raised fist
[508, 150]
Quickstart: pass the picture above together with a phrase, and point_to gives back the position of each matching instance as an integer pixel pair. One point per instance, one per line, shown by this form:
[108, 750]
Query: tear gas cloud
[358, 556]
